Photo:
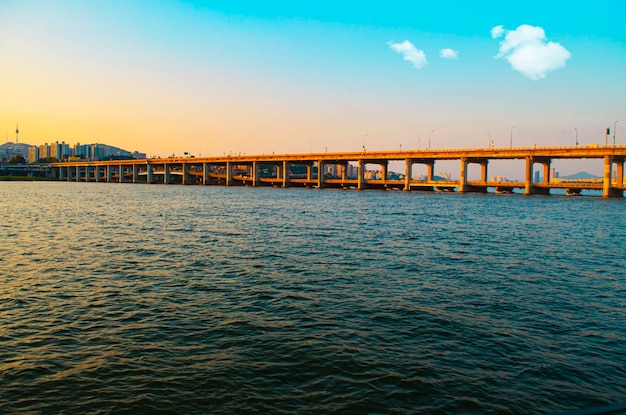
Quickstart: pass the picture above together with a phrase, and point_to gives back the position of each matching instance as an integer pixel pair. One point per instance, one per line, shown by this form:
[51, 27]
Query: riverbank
[25, 179]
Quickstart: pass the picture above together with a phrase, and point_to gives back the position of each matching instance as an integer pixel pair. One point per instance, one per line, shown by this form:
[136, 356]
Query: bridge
[325, 170]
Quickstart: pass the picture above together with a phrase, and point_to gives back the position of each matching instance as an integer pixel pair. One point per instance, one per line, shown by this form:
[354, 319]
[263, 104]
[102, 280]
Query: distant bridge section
[348, 170]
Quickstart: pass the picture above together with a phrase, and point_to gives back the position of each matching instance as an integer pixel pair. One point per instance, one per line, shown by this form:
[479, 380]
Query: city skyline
[211, 78]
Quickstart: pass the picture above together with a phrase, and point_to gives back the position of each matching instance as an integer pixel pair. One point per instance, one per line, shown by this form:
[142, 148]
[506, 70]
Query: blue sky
[211, 77]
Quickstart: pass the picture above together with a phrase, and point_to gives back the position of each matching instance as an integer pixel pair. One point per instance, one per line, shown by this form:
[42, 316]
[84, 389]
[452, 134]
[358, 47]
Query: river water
[121, 298]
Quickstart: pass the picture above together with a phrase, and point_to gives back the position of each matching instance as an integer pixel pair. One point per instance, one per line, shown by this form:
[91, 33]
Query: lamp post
[614, 126]
[432, 131]
[576, 135]
[512, 136]
[419, 144]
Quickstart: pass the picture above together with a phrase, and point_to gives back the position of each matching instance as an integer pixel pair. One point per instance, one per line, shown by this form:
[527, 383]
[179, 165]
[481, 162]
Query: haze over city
[219, 77]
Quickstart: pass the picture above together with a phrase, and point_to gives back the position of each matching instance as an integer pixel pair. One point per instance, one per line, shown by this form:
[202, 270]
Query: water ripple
[172, 299]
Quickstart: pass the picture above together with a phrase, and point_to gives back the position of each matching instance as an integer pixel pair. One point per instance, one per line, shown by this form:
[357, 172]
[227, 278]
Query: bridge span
[331, 169]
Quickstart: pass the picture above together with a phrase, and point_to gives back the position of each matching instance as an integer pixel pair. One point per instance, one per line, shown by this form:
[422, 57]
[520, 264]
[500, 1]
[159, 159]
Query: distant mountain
[580, 175]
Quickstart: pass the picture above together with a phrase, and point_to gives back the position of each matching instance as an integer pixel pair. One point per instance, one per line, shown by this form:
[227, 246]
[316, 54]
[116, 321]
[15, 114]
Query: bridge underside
[350, 171]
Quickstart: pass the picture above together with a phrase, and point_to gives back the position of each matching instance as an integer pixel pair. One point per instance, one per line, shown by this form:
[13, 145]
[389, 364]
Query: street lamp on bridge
[614, 125]
[576, 135]
[512, 136]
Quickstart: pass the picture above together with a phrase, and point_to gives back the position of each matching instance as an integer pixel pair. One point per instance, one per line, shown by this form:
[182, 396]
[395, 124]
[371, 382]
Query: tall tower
[16, 148]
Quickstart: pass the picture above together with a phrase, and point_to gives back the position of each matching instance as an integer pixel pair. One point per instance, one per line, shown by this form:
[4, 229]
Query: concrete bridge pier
[463, 176]
[255, 173]
[528, 181]
[166, 174]
[229, 173]
[285, 171]
[135, 173]
[619, 163]
[109, 172]
[607, 189]
[430, 170]
[149, 174]
[529, 188]
[483, 170]
[546, 162]
[205, 174]
[320, 174]
[185, 173]
[408, 165]
[464, 187]
[361, 172]
[87, 174]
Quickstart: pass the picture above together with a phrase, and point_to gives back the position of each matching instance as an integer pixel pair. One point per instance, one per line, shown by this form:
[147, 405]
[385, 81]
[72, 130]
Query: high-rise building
[33, 154]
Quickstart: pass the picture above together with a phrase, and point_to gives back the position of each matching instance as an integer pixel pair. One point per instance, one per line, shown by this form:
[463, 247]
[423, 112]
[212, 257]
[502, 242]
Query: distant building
[139, 156]
[10, 150]
[33, 153]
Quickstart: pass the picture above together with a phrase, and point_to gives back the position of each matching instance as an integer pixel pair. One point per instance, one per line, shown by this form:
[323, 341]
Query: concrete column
[229, 174]
[620, 173]
[254, 171]
[431, 171]
[320, 174]
[87, 175]
[528, 182]
[384, 167]
[166, 173]
[606, 191]
[149, 177]
[78, 173]
[361, 182]
[407, 174]
[205, 174]
[135, 173]
[344, 168]
[185, 173]
[286, 173]
[483, 170]
[109, 170]
[463, 176]
[546, 171]
[122, 171]
[309, 171]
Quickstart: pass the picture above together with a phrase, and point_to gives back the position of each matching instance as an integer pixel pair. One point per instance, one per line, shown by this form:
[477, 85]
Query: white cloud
[448, 53]
[528, 51]
[497, 31]
[410, 53]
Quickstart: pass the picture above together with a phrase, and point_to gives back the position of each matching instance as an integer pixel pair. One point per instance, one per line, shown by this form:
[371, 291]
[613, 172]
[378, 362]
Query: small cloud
[497, 31]
[528, 51]
[448, 53]
[409, 53]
